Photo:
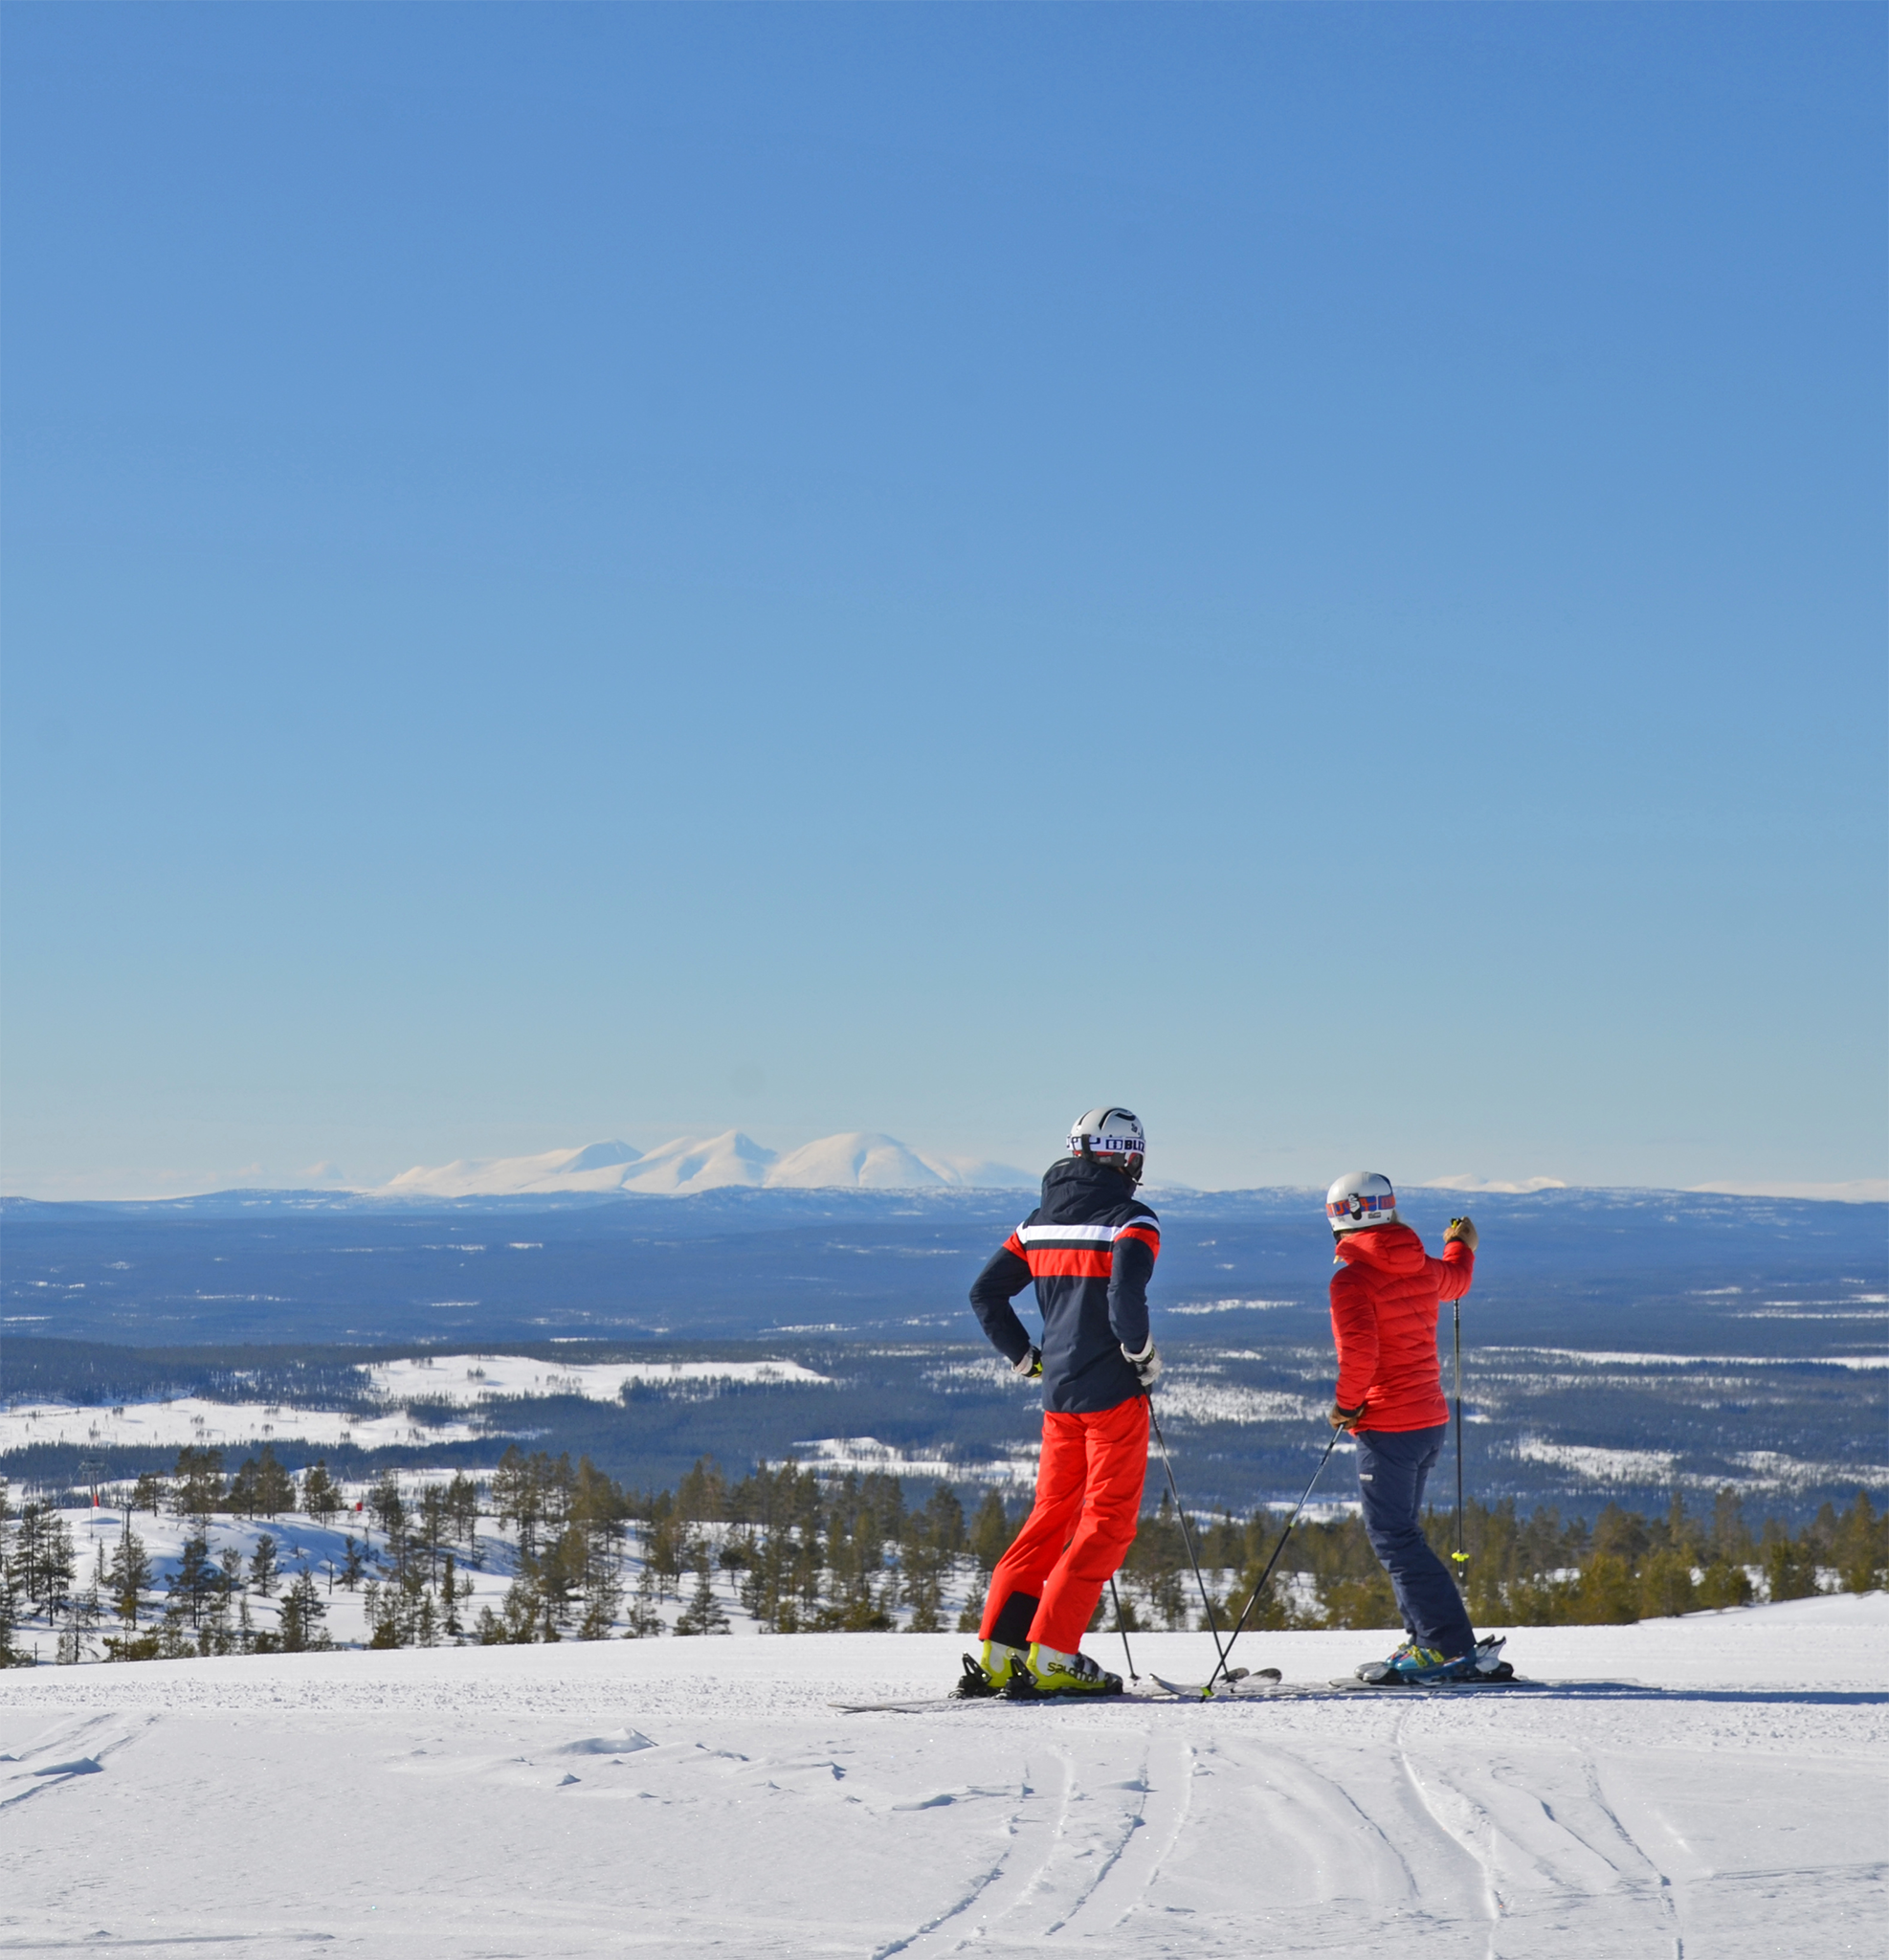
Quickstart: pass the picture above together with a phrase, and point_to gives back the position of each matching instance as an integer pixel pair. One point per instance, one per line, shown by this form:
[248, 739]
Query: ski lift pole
[1186, 1537]
[1121, 1628]
[1253, 1598]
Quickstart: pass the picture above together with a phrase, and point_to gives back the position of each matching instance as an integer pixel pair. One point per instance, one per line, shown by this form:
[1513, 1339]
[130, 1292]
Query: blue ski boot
[1415, 1666]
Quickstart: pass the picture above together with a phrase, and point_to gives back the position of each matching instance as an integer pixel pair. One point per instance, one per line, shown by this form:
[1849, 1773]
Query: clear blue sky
[608, 571]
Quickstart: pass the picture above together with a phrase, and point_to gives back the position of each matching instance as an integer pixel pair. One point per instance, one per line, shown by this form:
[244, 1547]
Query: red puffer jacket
[1384, 1301]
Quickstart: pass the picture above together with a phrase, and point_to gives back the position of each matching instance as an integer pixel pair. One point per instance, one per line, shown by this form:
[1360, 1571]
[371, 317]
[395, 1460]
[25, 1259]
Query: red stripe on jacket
[1046, 1263]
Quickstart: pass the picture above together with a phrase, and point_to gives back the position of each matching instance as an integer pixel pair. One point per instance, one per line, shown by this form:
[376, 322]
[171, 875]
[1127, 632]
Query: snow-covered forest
[259, 1560]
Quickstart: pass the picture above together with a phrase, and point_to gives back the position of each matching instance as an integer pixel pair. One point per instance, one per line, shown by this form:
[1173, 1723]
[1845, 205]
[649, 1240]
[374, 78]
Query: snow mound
[622, 1744]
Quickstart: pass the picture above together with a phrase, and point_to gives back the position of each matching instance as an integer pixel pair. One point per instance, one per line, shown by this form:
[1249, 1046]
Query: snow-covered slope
[688, 1797]
[856, 1160]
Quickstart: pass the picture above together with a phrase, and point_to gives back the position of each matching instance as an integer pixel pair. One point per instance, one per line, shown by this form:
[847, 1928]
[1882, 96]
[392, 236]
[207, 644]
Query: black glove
[1147, 1364]
[1030, 1367]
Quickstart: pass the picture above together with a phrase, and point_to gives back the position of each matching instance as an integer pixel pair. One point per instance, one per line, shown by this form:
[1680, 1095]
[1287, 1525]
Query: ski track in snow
[688, 1797]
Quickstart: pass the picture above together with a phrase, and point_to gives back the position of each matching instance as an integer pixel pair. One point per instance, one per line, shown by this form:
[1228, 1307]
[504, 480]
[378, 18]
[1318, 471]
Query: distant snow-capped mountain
[859, 1160]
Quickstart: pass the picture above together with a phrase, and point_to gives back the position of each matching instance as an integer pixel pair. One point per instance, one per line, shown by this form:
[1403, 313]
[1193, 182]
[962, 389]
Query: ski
[1268, 1686]
[1344, 1688]
[1514, 1683]
[916, 1707]
[1222, 1687]
[1178, 1694]
[956, 1701]
[1262, 1679]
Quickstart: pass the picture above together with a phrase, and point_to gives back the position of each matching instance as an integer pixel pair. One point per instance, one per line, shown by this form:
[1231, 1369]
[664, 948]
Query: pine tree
[1730, 1540]
[462, 1504]
[43, 1554]
[603, 1598]
[702, 1498]
[130, 1575]
[1858, 1547]
[321, 1495]
[387, 1510]
[704, 1613]
[644, 1619]
[1608, 1595]
[1666, 1585]
[558, 1576]
[147, 1493]
[262, 1566]
[1723, 1584]
[304, 1610]
[519, 1620]
[384, 1617]
[1790, 1567]
[533, 1492]
[194, 1581]
[11, 1654]
[665, 1553]
[244, 1496]
[990, 1532]
[430, 1523]
[198, 1480]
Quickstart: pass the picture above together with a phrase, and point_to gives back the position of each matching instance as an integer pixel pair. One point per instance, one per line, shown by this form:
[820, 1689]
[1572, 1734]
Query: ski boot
[1489, 1662]
[1415, 1666]
[993, 1674]
[1049, 1672]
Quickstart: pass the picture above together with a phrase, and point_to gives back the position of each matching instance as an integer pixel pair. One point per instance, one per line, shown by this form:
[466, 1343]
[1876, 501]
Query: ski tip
[1239, 1684]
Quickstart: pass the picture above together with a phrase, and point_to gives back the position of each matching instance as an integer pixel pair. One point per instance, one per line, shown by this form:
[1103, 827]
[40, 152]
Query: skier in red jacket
[1385, 1296]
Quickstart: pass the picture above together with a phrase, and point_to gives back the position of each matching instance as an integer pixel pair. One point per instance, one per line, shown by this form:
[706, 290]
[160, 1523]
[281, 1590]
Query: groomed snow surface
[701, 1796]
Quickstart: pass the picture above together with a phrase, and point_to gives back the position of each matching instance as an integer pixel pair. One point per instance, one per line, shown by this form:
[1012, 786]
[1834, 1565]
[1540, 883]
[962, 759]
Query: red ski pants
[1088, 1497]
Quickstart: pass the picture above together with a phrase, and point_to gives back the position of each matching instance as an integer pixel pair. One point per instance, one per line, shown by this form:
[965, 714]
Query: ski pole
[1121, 1628]
[1253, 1598]
[1186, 1537]
[1460, 1557]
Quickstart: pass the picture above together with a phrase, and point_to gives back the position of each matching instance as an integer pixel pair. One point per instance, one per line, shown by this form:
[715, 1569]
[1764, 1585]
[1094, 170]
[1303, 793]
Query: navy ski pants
[1393, 1465]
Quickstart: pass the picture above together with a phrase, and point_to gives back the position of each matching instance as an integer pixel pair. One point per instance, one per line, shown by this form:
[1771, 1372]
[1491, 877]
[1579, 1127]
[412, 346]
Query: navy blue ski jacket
[1090, 1246]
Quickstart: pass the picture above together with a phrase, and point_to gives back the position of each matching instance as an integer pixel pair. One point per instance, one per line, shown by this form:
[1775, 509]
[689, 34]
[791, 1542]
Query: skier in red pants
[1090, 1247]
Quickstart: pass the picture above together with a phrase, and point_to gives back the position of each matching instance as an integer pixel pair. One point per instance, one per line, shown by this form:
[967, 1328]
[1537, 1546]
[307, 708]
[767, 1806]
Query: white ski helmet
[1110, 1133]
[1361, 1198]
